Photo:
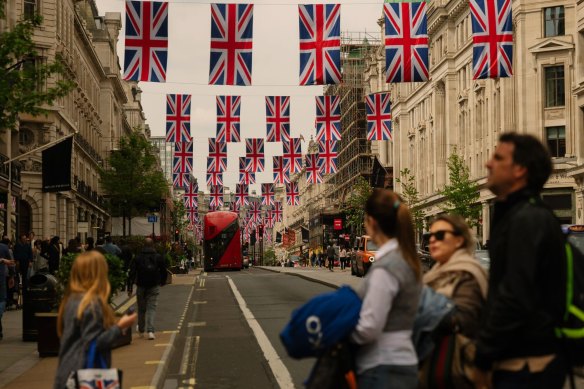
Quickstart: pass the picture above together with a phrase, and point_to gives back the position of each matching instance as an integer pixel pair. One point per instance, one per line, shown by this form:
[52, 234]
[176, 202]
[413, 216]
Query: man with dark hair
[525, 302]
[23, 256]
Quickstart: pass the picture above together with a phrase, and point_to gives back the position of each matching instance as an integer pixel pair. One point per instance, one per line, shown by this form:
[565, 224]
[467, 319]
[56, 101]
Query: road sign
[152, 218]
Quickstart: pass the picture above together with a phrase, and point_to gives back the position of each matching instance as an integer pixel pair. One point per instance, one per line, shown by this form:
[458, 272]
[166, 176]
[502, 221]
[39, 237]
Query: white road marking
[199, 302]
[197, 324]
[186, 352]
[280, 371]
[195, 355]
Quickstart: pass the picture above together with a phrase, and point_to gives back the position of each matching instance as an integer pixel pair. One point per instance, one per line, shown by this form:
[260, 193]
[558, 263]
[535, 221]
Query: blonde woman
[85, 316]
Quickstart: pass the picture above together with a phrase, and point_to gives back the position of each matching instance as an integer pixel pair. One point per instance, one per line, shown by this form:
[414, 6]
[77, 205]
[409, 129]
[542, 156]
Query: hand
[482, 379]
[127, 321]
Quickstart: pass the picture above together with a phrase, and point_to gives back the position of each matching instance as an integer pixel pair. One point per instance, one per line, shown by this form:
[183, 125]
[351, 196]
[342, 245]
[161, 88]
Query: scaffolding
[355, 157]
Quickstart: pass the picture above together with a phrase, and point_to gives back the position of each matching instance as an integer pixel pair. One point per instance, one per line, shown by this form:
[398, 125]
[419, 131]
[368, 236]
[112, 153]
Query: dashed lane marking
[153, 362]
[201, 289]
[197, 324]
[170, 332]
[161, 344]
[199, 302]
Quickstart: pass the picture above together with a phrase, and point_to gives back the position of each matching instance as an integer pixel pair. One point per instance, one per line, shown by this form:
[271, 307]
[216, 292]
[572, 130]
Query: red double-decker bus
[222, 241]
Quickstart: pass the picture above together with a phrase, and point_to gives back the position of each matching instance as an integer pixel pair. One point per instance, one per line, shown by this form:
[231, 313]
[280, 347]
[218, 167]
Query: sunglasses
[440, 235]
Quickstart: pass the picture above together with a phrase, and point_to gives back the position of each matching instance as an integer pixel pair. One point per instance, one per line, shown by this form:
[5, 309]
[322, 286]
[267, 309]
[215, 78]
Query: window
[554, 24]
[25, 137]
[556, 140]
[30, 9]
[554, 86]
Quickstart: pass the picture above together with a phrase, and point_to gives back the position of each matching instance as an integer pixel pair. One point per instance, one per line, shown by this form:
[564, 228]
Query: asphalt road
[215, 345]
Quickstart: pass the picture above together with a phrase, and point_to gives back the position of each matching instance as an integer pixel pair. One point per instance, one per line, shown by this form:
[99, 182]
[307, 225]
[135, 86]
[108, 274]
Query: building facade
[165, 153]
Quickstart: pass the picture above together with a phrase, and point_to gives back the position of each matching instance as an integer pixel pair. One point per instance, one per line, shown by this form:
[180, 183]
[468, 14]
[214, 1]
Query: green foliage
[116, 274]
[461, 194]
[132, 180]
[179, 216]
[270, 256]
[411, 196]
[355, 210]
[22, 79]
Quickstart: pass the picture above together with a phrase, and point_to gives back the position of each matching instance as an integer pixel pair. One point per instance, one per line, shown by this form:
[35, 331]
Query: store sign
[338, 224]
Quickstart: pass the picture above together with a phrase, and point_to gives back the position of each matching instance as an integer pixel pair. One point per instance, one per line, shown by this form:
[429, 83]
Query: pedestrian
[126, 256]
[517, 346]
[86, 316]
[89, 243]
[23, 257]
[330, 253]
[313, 259]
[54, 254]
[111, 248]
[148, 271]
[343, 256]
[5, 261]
[72, 247]
[457, 275]
[40, 262]
[386, 357]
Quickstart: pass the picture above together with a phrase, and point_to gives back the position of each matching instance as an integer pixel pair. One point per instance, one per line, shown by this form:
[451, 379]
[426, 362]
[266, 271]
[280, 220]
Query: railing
[86, 191]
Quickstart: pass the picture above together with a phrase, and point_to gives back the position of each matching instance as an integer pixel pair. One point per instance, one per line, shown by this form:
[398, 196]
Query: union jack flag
[231, 44]
[313, 169]
[192, 215]
[228, 108]
[281, 175]
[268, 194]
[255, 212]
[180, 180]
[327, 151]
[292, 155]
[378, 116]
[212, 166]
[214, 178]
[269, 219]
[102, 383]
[292, 194]
[234, 207]
[278, 118]
[241, 195]
[146, 50]
[406, 42]
[245, 176]
[191, 195]
[320, 44]
[178, 118]
[328, 118]
[278, 212]
[492, 38]
[183, 157]
[218, 151]
[216, 196]
[254, 153]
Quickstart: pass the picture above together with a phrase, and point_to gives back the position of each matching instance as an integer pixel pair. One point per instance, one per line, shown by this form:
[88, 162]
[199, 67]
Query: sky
[275, 72]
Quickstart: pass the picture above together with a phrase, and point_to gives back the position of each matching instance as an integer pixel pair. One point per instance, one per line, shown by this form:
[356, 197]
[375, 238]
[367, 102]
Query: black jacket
[526, 282]
[139, 269]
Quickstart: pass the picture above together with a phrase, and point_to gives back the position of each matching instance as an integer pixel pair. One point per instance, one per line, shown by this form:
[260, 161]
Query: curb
[158, 379]
[325, 283]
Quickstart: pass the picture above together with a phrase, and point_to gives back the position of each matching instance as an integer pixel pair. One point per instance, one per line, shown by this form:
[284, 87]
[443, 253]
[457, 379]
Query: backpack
[321, 323]
[148, 272]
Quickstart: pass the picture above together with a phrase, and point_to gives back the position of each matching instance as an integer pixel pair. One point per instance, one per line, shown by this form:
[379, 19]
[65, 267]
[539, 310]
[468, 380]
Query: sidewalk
[321, 275]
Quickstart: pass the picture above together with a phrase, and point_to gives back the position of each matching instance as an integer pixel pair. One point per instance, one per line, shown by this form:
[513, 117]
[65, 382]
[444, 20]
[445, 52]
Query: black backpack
[148, 272]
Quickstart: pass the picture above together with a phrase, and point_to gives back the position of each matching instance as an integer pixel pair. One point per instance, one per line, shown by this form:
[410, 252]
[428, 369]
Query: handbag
[334, 369]
[96, 374]
[450, 364]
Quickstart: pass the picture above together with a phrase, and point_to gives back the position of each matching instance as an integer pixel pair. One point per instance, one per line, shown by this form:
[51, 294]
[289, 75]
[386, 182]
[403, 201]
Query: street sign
[82, 227]
[152, 218]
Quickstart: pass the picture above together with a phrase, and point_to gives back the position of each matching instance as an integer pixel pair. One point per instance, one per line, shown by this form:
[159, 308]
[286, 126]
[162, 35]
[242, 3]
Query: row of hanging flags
[406, 42]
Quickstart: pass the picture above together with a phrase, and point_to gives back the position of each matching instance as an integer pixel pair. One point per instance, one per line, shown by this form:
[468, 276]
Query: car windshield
[371, 246]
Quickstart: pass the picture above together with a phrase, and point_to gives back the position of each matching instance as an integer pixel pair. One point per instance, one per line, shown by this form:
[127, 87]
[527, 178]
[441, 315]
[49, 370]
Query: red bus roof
[215, 222]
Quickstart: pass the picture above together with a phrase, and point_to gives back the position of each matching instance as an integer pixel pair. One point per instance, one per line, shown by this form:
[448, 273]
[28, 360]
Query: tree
[356, 205]
[179, 213]
[462, 193]
[22, 76]
[133, 184]
[411, 196]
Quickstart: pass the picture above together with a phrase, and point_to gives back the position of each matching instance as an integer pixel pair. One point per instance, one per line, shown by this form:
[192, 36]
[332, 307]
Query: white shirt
[378, 347]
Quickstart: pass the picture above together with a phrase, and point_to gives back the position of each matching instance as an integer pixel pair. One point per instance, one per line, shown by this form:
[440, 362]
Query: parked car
[424, 257]
[364, 256]
[294, 261]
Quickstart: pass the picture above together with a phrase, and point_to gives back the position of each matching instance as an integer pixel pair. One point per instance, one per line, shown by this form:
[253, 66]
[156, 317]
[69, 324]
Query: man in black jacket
[526, 285]
[148, 270]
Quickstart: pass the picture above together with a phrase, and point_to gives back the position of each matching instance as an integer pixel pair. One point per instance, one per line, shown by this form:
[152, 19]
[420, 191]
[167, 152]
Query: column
[439, 136]
[46, 218]
[486, 221]
[71, 221]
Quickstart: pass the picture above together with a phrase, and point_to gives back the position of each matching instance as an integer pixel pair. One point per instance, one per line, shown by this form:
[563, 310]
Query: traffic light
[261, 230]
[176, 235]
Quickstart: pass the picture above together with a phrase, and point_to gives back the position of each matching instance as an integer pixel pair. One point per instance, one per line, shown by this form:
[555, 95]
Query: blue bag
[321, 323]
[96, 374]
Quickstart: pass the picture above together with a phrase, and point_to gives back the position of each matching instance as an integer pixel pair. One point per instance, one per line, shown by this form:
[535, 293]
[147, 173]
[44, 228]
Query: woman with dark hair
[386, 357]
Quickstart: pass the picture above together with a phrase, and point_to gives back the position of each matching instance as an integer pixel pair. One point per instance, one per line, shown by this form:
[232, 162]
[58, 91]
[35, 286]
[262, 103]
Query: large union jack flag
[245, 176]
[406, 42]
[255, 212]
[278, 211]
[492, 38]
[254, 154]
[191, 195]
[378, 116]
[183, 157]
[281, 175]
[313, 169]
[292, 155]
[216, 196]
[278, 118]
[327, 151]
[218, 151]
[231, 44]
[228, 108]
[178, 118]
[268, 194]
[241, 195]
[214, 178]
[212, 167]
[146, 50]
[292, 194]
[180, 180]
[328, 118]
[320, 44]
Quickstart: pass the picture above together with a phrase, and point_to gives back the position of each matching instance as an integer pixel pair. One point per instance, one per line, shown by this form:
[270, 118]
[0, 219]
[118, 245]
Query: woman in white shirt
[386, 357]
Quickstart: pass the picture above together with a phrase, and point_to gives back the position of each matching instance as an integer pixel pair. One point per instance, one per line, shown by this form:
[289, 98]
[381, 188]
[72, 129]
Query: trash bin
[40, 297]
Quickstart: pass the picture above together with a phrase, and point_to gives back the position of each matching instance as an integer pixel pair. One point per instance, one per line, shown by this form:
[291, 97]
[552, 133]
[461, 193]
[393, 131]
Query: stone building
[454, 112]
[165, 153]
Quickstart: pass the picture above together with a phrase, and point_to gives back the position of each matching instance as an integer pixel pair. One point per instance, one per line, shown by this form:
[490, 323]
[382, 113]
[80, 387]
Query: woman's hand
[127, 321]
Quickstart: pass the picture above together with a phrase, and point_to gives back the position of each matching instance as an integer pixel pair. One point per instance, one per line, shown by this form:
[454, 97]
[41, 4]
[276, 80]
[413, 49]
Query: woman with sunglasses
[460, 277]
[386, 357]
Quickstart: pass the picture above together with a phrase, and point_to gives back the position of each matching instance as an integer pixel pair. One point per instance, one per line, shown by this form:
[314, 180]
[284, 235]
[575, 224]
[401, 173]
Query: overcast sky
[275, 72]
